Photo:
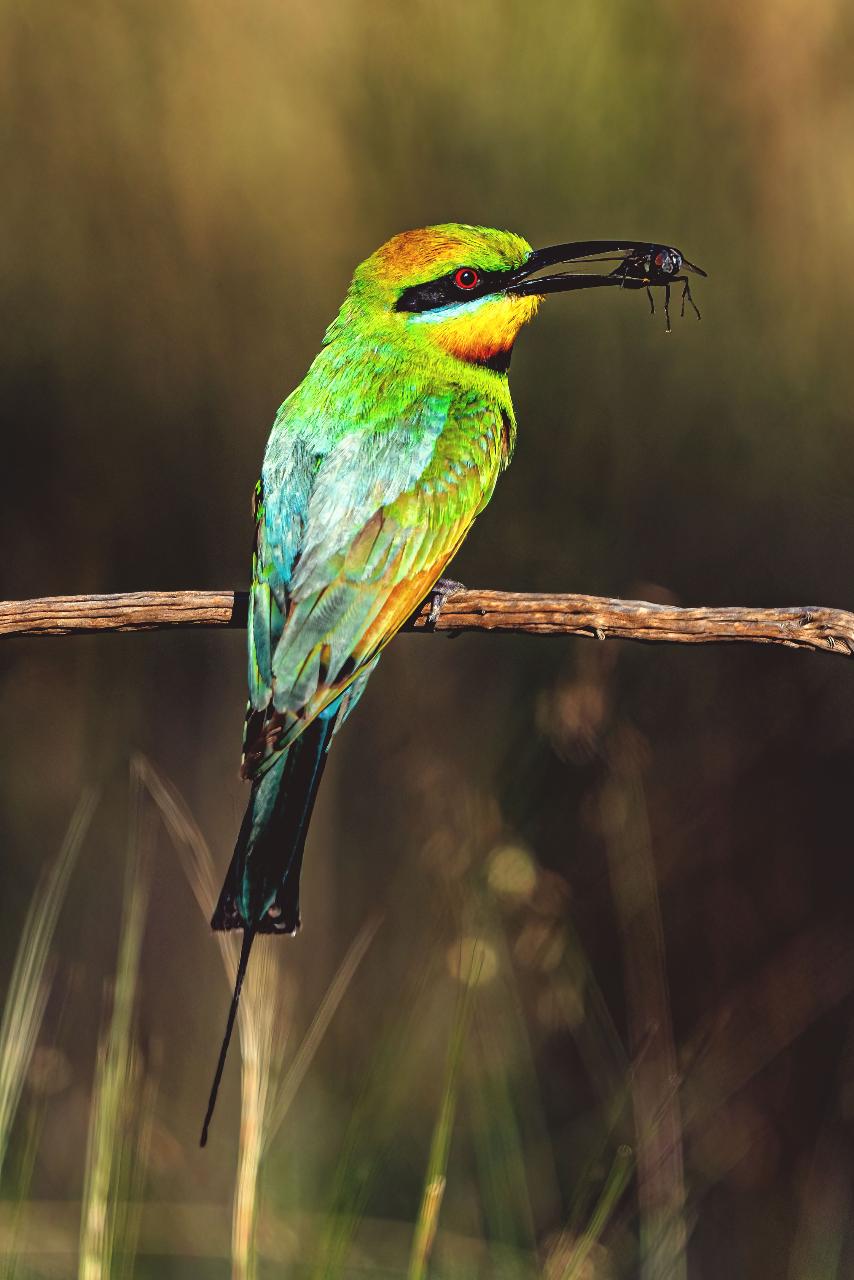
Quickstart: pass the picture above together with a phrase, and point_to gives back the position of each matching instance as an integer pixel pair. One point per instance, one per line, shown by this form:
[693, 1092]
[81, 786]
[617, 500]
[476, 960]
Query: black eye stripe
[445, 291]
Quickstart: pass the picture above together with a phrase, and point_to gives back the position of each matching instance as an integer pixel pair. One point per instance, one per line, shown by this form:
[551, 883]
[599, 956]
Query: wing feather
[366, 539]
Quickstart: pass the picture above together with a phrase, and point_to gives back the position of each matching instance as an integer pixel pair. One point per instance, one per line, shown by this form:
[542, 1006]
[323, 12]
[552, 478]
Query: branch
[821, 629]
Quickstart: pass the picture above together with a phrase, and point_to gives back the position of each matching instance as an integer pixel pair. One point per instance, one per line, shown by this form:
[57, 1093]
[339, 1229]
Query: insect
[659, 265]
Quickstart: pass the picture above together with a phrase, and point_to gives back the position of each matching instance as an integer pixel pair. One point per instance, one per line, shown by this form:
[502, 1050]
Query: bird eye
[466, 278]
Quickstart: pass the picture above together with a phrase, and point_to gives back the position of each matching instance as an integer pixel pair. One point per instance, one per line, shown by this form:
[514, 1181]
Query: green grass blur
[647, 851]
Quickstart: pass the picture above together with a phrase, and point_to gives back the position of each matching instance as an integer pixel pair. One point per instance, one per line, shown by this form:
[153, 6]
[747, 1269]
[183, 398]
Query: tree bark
[801, 627]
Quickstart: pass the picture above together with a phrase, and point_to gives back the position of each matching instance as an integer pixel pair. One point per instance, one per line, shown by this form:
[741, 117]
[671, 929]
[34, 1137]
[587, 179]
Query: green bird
[375, 469]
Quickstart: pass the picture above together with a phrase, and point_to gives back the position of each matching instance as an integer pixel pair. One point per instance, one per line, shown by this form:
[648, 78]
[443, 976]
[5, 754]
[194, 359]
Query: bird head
[446, 287]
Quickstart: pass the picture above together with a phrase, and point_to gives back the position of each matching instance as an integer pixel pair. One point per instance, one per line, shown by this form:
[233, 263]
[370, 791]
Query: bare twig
[818, 628]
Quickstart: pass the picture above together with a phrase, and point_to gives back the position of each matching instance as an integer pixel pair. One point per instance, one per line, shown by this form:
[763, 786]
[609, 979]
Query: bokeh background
[599, 1020]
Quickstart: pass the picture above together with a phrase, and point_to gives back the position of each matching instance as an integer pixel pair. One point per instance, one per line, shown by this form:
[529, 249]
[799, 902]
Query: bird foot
[443, 588]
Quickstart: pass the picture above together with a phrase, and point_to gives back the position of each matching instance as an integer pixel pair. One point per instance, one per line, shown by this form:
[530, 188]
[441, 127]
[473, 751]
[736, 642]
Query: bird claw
[439, 594]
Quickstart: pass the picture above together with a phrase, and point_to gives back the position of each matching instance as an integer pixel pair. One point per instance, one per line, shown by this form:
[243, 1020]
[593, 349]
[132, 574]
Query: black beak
[639, 264]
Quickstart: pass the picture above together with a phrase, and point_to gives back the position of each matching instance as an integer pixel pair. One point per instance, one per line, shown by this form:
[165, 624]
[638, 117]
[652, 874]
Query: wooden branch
[821, 629]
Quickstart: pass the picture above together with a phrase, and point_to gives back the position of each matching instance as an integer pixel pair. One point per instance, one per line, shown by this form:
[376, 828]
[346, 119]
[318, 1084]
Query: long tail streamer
[248, 939]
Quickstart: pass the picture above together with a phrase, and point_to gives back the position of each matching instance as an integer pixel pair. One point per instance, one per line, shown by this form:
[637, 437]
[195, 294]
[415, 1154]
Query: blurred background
[573, 995]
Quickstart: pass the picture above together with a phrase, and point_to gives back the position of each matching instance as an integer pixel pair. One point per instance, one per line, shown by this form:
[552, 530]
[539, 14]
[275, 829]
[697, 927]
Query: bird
[376, 466]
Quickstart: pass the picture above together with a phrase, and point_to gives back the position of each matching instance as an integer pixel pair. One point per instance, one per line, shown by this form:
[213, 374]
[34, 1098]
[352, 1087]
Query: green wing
[349, 541]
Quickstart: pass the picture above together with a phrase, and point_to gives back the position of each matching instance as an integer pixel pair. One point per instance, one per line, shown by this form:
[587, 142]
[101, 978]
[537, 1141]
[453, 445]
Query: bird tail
[261, 889]
[248, 939]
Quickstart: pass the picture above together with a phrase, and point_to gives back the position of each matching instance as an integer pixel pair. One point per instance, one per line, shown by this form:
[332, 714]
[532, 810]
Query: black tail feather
[248, 939]
[262, 883]
[261, 889]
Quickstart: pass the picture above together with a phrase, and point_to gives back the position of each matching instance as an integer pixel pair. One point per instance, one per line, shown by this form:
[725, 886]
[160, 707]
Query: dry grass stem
[120, 1072]
[435, 1180]
[27, 993]
[262, 1021]
[319, 1025]
[580, 1250]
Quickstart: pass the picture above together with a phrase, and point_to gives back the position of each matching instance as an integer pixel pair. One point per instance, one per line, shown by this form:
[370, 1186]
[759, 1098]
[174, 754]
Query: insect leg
[651, 301]
[667, 307]
[686, 297]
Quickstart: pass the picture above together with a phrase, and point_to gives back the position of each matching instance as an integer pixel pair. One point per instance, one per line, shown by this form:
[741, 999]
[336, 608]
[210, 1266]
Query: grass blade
[119, 1072]
[440, 1146]
[499, 1149]
[369, 1132]
[319, 1024]
[29, 983]
[261, 1021]
[615, 1185]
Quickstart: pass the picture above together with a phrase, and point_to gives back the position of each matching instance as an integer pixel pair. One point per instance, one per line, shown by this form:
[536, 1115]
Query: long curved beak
[639, 264]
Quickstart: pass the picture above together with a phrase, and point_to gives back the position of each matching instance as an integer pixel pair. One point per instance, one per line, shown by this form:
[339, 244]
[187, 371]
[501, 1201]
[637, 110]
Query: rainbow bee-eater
[375, 469]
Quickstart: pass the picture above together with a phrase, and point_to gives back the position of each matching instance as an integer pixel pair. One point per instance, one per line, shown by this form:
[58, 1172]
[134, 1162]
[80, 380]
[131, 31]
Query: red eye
[466, 278]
